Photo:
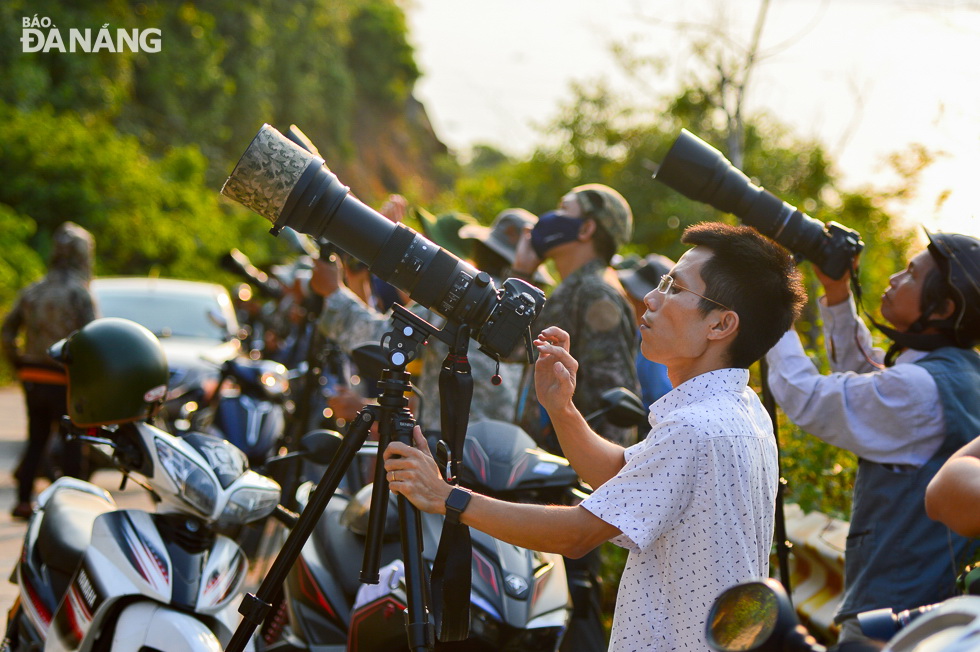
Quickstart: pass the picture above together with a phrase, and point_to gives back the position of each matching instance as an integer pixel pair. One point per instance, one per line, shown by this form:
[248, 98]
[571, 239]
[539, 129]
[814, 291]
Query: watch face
[457, 500]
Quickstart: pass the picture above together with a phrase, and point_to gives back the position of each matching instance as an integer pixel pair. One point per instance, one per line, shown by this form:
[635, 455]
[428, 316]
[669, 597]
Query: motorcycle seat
[66, 528]
[344, 550]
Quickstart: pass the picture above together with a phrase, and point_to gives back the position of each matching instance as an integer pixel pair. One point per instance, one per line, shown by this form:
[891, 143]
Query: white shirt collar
[694, 390]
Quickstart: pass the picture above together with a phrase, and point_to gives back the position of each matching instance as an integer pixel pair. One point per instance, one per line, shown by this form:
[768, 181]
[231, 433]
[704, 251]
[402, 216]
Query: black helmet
[117, 372]
[958, 258]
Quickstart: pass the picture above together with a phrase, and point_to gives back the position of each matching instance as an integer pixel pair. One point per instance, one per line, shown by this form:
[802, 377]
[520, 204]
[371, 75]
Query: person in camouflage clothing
[48, 311]
[589, 303]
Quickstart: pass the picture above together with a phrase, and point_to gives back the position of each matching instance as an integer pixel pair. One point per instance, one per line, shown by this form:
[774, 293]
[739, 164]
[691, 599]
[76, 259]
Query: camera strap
[451, 571]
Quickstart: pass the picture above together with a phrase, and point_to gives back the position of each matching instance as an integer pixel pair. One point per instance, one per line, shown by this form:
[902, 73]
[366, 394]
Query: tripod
[395, 422]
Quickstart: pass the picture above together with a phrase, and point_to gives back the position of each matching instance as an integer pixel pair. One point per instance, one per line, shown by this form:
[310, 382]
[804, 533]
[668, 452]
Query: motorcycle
[520, 598]
[95, 577]
[759, 616]
[251, 411]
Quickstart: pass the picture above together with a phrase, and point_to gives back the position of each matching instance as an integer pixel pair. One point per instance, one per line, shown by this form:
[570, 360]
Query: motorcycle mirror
[623, 408]
[320, 446]
[218, 320]
[756, 616]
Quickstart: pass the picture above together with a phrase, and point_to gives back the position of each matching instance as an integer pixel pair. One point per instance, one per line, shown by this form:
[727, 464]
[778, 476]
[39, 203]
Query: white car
[195, 322]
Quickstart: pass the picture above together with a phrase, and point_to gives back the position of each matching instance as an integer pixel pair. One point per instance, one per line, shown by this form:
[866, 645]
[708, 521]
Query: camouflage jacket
[46, 311]
[350, 322]
[52, 308]
[590, 305]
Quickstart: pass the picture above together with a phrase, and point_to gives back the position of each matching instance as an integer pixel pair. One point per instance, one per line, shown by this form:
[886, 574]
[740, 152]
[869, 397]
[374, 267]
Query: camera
[291, 186]
[698, 171]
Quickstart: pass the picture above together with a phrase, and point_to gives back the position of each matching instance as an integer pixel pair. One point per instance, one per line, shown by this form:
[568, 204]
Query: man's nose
[652, 299]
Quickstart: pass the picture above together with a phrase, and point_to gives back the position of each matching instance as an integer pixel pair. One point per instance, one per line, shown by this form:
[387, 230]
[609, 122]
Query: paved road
[13, 433]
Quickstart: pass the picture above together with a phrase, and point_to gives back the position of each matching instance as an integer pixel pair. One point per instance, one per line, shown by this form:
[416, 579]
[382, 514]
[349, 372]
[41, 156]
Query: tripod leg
[421, 630]
[370, 567]
[255, 606]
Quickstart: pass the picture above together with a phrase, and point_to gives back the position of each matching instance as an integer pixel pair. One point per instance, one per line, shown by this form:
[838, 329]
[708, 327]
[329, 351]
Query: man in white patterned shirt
[693, 502]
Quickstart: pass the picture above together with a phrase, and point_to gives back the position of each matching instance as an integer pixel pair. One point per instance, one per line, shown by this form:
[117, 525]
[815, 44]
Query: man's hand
[554, 371]
[414, 474]
[326, 277]
[835, 291]
[345, 403]
[525, 260]
[395, 208]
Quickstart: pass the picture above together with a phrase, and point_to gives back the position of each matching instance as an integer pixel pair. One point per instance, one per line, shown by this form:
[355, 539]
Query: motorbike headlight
[194, 484]
[255, 500]
[275, 380]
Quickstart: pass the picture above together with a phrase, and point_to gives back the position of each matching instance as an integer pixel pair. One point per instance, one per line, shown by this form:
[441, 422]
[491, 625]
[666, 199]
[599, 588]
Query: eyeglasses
[667, 281]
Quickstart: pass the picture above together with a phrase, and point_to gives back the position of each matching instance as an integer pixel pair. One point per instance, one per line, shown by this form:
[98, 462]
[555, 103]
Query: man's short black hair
[754, 276]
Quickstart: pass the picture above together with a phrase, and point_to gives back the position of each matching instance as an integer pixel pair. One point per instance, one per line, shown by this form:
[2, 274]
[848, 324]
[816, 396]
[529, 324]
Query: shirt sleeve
[651, 492]
[349, 321]
[848, 340]
[890, 416]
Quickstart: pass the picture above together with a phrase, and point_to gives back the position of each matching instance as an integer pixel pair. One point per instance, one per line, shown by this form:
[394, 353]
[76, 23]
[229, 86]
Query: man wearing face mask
[589, 303]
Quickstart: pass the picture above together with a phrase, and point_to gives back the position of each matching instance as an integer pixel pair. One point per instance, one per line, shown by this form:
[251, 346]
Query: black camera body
[517, 305]
[700, 172]
[284, 180]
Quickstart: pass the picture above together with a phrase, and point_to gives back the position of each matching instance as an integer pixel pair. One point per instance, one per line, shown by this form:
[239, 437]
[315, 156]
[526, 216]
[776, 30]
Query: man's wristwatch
[456, 502]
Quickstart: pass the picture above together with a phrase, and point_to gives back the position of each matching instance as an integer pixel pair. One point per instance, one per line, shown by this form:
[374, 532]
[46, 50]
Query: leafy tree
[381, 54]
[224, 68]
[149, 216]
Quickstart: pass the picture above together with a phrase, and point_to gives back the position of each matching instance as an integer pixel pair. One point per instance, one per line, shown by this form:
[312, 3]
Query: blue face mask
[552, 229]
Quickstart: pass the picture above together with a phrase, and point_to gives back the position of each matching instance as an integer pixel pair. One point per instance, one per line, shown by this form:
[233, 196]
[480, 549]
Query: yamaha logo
[516, 586]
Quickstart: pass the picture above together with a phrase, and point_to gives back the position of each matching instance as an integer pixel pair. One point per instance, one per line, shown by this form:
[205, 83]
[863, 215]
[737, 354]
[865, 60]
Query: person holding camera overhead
[902, 412]
[694, 502]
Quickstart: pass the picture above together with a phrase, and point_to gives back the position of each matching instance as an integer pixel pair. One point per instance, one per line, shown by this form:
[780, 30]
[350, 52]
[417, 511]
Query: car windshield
[167, 314]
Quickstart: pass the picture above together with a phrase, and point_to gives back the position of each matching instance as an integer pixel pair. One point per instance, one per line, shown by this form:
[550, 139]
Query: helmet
[608, 208]
[958, 257]
[117, 372]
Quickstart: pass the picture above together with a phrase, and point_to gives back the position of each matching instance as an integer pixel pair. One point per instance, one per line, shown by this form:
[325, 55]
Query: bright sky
[866, 77]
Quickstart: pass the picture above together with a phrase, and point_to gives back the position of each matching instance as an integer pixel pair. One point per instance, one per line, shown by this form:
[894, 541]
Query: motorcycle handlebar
[285, 516]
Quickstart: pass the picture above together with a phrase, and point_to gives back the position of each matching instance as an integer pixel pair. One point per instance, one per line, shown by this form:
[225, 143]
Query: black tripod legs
[255, 606]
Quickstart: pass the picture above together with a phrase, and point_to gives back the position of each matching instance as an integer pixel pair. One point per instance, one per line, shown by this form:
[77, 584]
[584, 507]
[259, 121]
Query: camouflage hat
[608, 208]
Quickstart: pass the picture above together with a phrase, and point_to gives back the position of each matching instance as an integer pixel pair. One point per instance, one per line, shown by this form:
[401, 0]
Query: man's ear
[587, 230]
[944, 311]
[725, 325]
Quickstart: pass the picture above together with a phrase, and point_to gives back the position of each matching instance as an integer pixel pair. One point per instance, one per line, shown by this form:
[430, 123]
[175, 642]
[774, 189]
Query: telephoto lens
[292, 187]
[700, 172]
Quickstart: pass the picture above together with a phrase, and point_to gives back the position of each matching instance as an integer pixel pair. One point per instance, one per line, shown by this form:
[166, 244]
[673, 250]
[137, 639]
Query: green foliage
[380, 53]
[20, 263]
[149, 216]
[134, 145]
[224, 68]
